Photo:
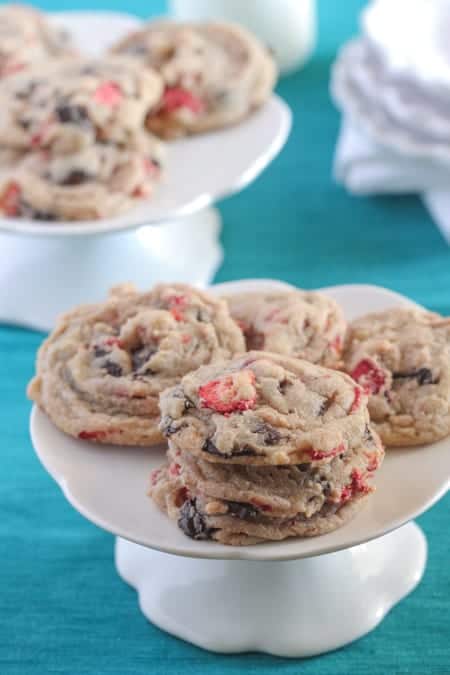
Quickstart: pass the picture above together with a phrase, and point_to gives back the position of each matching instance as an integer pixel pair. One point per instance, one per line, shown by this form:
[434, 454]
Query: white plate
[108, 484]
[365, 105]
[412, 35]
[198, 170]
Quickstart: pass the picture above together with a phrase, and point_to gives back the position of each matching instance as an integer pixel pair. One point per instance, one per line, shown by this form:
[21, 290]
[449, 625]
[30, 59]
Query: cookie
[215, 74]
[66, 107]
[401, 358]
[98, 181]
[241, 505]
[263, 408]
[26, 38]
[303, 324]
[101, 371]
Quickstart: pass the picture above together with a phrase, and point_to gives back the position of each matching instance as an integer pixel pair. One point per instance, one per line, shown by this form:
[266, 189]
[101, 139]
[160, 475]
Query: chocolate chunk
[140, 356]
[28, 211]
[242, 510]
[270, 435]
[112, 368]
[193, 523]
[72, 114]
[246, 451]
[76, 177]
[422, 375]
[203, 316]
[367, 436]
[99, 352]
[169, 427]
[284, 386]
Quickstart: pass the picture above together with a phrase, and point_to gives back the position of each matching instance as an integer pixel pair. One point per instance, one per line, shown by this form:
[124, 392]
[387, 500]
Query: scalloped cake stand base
[46, 275]
[296, 608]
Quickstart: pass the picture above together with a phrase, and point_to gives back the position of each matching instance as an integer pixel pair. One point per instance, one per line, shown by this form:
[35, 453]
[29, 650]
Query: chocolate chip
[241, 510]
[254, 339]
[99, 352]
[284, 385]
[140, 356]
[270, 435]
[246, 451]
[76, 177]
[368, 434]
[203, 316]
[422, 375]
[28, 211]
[24, 123]
[193, 523]
[169, 427]
[72, 114]
[112, 368]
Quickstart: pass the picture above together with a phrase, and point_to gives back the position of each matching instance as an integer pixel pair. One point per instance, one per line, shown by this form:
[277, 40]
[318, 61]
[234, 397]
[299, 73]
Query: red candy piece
[174, 469]
[357, 399]
[369, 376]
[92, 435]
[11, 68]
[372, 464]
[320, 454]
[109, 94]
[176, 304]
[10, 199]
[114, 342]
[356, 486]
[177, 97]
[222, 395]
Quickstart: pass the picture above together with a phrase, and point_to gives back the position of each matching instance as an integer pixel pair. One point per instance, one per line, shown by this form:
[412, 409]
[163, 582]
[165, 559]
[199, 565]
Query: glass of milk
[287, 26]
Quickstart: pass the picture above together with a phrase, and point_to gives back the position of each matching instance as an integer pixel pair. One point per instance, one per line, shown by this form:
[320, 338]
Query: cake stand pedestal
[293, 608]
[41, 277]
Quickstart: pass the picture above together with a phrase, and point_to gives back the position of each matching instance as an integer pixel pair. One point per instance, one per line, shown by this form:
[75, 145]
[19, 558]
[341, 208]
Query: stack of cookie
[78, 137]
[265, 447]
[261, 445]
[76, 132]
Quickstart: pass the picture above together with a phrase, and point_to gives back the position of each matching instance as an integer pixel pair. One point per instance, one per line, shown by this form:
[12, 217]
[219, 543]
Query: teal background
[62, 607]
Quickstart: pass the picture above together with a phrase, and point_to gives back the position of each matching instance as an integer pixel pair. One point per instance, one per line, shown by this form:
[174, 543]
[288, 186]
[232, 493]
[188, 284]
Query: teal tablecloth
[63, 609]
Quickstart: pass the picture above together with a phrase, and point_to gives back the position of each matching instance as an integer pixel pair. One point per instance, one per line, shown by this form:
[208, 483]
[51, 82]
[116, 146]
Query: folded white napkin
[365, 167]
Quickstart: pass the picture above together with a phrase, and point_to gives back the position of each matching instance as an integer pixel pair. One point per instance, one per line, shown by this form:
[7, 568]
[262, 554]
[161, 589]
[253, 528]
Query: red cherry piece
[369, 376]
[92, 435]
[356, 400]
[320, 454]
[356, 486]
[177, 97]
[10, 199]
[224, 396]
[174, 469]
[109, 94]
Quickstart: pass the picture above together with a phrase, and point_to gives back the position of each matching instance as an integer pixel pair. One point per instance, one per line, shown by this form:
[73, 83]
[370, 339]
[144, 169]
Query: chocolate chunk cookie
[401, 358]
[101, 371]
[68, 106]
[242, 505]
[26, 39]
[215, 74]
[263, 408]
[98, 181]
[304, 324]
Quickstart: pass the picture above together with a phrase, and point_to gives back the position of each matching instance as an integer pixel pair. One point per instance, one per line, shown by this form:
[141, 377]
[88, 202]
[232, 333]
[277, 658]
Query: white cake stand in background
[47, 267]
[298, 597]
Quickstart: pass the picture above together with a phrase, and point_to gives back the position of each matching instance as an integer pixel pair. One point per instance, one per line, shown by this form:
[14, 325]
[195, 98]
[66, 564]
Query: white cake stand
[294, 598]
[48, 267]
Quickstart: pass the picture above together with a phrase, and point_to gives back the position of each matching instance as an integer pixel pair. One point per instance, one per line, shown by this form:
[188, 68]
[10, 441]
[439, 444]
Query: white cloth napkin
[365, 167]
